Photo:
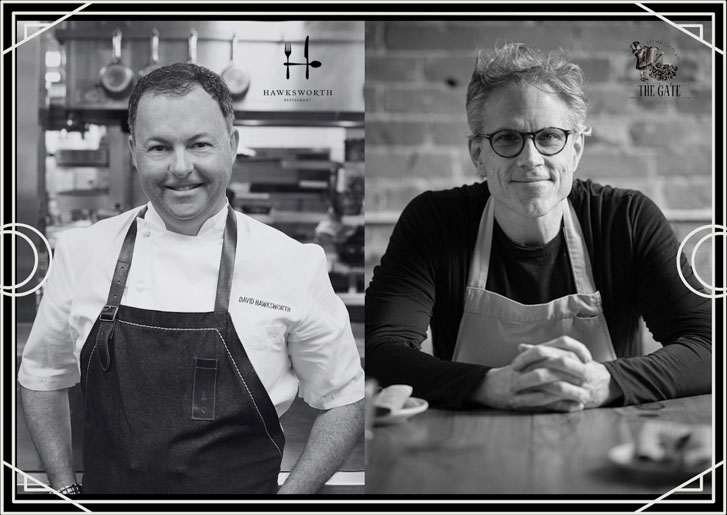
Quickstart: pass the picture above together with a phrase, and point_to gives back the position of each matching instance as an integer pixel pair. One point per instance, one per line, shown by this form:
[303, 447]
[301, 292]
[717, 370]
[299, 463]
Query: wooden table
[489, 451]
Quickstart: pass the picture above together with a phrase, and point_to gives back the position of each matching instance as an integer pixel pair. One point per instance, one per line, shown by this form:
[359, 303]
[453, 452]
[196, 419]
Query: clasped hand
[558, 375]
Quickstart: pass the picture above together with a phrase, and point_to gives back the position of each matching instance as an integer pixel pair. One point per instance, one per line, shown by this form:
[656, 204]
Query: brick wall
[417, 74]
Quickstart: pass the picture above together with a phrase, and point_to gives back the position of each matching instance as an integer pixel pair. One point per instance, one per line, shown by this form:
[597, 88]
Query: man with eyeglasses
[533, 282]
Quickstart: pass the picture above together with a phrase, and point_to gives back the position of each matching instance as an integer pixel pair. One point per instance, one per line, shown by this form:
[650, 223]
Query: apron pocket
[586, 316]
[204, 389]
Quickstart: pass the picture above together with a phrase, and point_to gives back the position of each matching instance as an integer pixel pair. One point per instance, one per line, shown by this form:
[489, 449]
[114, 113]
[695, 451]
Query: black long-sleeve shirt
[422, 278]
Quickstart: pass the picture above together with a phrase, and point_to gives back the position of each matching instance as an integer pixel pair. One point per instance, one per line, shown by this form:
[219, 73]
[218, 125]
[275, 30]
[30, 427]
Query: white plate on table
[623, 456]
[412, 406]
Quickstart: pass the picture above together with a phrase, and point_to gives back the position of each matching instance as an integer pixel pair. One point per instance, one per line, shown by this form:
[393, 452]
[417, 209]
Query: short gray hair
[516, 63]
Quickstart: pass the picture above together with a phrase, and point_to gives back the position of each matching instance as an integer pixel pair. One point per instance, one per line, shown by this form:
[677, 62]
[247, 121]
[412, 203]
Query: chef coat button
[140, 287]
[146, 233]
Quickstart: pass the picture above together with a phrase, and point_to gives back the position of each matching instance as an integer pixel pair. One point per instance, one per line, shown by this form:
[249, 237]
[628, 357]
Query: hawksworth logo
[299, 92]
[288, 50]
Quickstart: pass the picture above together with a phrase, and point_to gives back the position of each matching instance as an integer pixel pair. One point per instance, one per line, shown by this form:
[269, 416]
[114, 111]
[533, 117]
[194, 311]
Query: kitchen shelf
[100, 114]
[352, 299]
[181, 33]
[302, 217]
[91, 192]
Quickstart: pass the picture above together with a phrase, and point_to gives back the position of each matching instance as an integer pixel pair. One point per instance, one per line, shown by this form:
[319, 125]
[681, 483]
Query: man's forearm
[48, 417]
[334, 433]
[604, 389]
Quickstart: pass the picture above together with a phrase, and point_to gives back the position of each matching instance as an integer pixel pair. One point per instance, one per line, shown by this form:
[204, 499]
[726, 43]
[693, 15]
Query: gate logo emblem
[650, 63]
[288, 50]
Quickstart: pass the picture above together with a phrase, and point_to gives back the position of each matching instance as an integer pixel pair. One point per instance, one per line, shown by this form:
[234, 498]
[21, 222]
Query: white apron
[492, 326]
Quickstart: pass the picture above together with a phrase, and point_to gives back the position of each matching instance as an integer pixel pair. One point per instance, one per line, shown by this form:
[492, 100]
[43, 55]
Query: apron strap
[107, 318]
[227, 262]
[579, 258]
[480, 267]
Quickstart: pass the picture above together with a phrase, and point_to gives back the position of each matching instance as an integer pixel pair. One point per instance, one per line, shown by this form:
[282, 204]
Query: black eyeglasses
[509, 143]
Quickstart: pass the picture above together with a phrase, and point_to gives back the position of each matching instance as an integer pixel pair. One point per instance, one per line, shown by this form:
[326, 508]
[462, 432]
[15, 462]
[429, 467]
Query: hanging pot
[237, 78]
[116, 78]
[192, 45]
[154, 55]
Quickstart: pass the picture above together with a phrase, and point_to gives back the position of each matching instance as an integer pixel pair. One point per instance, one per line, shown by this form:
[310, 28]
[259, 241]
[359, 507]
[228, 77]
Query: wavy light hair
[517, 64]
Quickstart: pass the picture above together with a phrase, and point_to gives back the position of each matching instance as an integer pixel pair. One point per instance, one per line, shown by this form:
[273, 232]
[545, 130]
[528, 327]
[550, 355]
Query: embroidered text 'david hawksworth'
[264, 304]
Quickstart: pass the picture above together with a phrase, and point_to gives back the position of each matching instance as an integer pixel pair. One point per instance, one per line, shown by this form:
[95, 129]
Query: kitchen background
[299, 165]
[416, 129]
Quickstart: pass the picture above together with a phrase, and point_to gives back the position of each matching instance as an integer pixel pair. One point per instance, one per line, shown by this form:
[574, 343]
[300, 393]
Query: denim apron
[492, 325]
[172, 402]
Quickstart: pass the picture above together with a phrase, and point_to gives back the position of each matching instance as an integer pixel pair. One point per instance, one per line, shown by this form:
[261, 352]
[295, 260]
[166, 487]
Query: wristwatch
[72, 489]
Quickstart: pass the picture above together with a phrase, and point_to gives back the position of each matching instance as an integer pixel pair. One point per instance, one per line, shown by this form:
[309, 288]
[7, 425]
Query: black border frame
[261, 11]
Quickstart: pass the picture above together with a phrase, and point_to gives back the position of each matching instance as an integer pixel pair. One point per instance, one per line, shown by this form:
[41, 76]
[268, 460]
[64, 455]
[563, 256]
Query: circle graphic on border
[13, 230]
[693, 259]
[35, 261]
[717, 230]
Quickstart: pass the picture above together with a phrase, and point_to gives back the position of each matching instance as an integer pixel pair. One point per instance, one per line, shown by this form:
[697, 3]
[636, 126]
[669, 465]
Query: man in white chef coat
[191, 327]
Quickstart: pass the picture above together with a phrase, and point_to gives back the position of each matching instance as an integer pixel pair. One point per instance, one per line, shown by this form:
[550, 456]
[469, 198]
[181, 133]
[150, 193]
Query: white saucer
[623, 456]
[412, 406]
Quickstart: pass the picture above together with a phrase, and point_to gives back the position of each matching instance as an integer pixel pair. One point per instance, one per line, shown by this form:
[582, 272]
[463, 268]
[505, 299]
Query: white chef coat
[295, 329]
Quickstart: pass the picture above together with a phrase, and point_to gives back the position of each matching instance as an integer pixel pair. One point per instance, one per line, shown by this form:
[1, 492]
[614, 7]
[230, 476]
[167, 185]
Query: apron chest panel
[577, 305]
[492, 325]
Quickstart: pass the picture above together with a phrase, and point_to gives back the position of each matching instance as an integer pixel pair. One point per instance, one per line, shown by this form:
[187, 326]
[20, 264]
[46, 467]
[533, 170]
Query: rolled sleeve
[321, 345]
[49, 359]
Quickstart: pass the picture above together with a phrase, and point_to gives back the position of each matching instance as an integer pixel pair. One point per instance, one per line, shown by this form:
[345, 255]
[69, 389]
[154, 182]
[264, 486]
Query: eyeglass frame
[523, 136]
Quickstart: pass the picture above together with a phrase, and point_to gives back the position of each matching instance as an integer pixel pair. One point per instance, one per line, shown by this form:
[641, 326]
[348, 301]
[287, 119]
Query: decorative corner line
[700, 488]
[685, 31]
[698, 26]
[47, 26]
[679, 488]
[43, 487]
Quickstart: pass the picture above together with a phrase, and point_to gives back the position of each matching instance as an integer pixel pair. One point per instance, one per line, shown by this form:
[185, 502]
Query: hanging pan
[154, 56]
[116, 78]
[237, 78]
[192, 45]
